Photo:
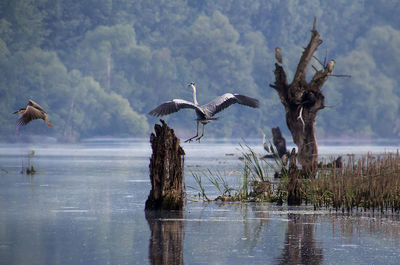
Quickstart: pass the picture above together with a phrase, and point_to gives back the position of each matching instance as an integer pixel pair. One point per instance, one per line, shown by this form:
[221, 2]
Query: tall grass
[370, 183]
[252, 184]
[201, 190]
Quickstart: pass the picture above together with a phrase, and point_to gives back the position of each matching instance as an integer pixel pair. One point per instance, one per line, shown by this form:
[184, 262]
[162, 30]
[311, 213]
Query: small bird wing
[35, 105]
[173, 106]
[31, 113]
[224, 101]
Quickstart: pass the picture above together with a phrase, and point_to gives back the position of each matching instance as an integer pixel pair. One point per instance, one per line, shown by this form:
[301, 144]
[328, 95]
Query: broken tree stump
[166, 170]
[279, 142]
[294, 184]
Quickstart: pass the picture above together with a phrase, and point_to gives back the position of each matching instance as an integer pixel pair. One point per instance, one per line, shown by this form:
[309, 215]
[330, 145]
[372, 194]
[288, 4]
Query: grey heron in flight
[32, 111]
[205, 112]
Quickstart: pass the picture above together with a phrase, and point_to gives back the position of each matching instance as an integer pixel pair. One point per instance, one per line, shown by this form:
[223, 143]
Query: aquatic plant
[370, 183]
[227, 192]
[29, 170]
[253, 183]
[254, 167]
[200, 189]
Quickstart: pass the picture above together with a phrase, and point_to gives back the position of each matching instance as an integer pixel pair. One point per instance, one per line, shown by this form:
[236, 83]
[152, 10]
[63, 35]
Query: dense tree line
[99, 66]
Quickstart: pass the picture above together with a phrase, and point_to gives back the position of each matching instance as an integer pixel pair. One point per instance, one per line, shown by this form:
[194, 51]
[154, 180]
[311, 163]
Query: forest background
[99, 66]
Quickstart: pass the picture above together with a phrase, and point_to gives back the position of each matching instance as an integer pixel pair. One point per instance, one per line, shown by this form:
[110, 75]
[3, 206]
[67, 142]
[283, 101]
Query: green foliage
[98, 67]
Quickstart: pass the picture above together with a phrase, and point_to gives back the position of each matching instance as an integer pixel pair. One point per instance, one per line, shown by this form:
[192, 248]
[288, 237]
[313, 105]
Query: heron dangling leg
[197, 134]
[202, 134]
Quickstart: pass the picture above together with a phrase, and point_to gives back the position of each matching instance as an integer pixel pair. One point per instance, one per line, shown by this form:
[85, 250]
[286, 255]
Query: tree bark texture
[166, 170]
[302, 100]
[294, 183]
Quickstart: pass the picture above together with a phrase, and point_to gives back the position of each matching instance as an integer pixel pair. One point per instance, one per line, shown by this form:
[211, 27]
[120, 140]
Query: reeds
[370, 183]
[201, 190]
[227, 192]
[252, 185]
[29, 170]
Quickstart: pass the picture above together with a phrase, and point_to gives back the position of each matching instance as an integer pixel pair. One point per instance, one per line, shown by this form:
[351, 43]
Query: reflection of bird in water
[278, 55]
[32, 111]
[330, 66]
[206, 112]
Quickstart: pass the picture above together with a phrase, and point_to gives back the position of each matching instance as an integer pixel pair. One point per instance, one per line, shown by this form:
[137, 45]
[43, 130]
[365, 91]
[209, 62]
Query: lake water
[85, 205]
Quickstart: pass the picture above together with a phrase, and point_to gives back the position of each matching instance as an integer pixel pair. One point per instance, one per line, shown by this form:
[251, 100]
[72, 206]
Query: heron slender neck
[194, 95]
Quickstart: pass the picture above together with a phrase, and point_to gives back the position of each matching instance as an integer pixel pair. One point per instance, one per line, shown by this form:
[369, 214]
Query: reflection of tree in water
[300, 246]
[166, 241]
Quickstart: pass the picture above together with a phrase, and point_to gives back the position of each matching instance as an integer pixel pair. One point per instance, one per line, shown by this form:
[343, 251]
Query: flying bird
[278, 55]
[32, 111]
[330, 66]
[206, 112]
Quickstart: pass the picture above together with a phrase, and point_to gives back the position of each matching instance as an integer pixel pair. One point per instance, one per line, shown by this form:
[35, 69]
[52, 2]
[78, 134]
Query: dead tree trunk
[166, 170]
[302, 100]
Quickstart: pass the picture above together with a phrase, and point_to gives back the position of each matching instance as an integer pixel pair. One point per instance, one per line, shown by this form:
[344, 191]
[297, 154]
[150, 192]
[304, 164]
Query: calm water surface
[85, 205]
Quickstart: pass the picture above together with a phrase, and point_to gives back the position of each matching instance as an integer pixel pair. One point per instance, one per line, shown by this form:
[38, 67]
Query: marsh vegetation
[28, 169]
[369, 182]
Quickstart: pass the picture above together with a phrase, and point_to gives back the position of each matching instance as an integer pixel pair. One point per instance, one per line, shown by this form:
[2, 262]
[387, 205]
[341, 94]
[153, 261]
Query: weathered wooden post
[166, 170]
[294, 185]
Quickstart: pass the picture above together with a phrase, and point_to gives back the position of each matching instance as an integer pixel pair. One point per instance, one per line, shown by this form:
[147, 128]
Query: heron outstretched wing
[35, 105]
[173, 106]
[31, 113]
[224, 101]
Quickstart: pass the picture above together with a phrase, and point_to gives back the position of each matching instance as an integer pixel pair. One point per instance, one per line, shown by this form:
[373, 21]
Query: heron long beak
[48, 123]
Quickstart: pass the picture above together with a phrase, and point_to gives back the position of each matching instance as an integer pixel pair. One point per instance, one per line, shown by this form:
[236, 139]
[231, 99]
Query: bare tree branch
[323, 65]
[326, 55]
[340, 75]
[307, 54]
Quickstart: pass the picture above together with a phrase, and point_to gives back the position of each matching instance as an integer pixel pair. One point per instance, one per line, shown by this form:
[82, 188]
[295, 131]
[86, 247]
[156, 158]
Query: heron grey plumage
[264, 141]
[205, 112]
